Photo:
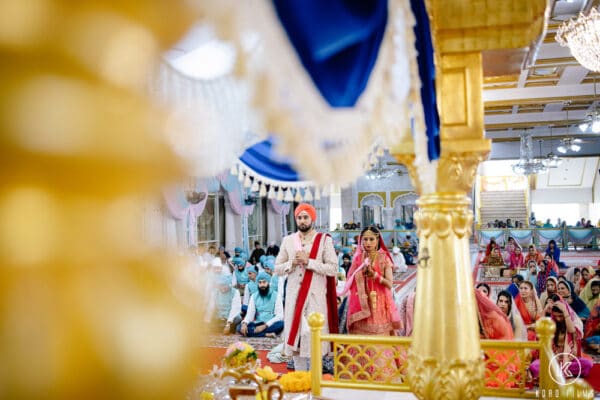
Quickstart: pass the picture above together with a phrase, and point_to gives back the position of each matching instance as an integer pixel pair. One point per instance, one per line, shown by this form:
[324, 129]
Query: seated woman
[485, 289]
[566, 344]
[516, 260]
[529, 307]
[554, 251]
[494, 259]
[551, 283]
[592, 328]
[547, 268]
[565, 289]
[505, 304]
[494, 325]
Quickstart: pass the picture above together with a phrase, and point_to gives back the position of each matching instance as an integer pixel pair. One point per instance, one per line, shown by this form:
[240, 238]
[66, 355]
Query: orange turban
[310, 210]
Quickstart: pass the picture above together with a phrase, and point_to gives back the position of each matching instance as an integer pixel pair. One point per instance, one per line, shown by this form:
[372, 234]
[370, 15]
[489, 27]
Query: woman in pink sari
[371, 307]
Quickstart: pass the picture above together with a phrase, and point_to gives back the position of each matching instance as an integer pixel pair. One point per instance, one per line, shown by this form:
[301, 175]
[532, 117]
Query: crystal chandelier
[593, 118]
[582, 35]
[377, 169]
[527, 165]
[551, 160]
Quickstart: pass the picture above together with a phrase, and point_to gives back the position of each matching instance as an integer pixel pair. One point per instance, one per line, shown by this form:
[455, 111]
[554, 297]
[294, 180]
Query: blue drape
[425, 59]
[337, 42]
[263, 160]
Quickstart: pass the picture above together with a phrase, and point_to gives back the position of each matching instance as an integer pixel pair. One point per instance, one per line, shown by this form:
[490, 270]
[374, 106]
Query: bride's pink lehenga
[371, 311]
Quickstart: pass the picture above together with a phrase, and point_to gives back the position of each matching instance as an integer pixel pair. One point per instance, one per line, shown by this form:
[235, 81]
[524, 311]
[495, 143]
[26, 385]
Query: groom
[308, 260]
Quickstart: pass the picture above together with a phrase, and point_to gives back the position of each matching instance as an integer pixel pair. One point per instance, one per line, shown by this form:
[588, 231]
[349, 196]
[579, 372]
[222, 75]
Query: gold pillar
[446, 360]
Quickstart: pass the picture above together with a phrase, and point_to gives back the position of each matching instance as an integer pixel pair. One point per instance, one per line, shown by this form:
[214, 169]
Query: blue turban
[263, 276]
[262, 259]
[238, 261]
[237, 250]
[337, 247]
[251, 268]
[270, 264]
[224, 280]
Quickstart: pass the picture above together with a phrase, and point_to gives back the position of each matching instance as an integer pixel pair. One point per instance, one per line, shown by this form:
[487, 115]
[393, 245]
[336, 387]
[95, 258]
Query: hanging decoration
[327, 128]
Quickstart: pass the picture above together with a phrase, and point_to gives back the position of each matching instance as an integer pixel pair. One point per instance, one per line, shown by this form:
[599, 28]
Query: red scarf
[332, 316]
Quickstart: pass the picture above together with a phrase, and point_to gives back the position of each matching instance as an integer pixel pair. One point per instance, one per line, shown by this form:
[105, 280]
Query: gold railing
[379, 363]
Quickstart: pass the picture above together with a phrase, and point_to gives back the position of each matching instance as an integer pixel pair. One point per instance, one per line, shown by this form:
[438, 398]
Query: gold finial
[545, 327]
[316, 320]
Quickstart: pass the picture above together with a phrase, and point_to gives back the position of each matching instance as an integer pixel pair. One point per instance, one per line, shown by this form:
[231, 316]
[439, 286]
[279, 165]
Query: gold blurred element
[446, 343]
[86, 306]
[249, 384]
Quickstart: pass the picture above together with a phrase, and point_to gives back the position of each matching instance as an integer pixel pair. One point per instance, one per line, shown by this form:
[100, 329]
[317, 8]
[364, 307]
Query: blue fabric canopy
[337, 42]
[265, 161]
[426, 62]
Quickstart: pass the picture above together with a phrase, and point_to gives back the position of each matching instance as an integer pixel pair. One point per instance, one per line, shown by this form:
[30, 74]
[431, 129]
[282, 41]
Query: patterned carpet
[223, 341]
[580, 258]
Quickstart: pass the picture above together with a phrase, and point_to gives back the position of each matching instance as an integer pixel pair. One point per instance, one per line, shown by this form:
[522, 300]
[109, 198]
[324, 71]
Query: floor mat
[223, 341]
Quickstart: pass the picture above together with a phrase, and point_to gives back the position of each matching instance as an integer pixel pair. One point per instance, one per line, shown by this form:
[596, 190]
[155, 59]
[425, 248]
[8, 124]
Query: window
[256, 223]
[208, 227]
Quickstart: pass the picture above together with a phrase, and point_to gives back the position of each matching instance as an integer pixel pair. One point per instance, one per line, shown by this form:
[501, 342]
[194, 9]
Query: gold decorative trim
[457, 171]
[362, 195]
[441, 214]
[453, 379]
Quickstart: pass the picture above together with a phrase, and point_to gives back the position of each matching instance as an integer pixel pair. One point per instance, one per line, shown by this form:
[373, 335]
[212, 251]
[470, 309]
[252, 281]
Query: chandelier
[551, 160]
[582, 35]
[527, 165]
[569, 144]
[377, 169]
[593, 118]
[380, 172]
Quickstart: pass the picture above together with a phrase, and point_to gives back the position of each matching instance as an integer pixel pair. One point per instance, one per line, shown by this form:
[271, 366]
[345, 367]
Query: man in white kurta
[293, 262]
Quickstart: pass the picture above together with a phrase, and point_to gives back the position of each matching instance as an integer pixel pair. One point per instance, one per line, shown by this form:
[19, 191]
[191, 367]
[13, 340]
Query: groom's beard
[263, 291]
[304, 229]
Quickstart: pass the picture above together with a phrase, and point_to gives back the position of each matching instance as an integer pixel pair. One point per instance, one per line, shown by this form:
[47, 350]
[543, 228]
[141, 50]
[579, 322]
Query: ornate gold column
[446, 351]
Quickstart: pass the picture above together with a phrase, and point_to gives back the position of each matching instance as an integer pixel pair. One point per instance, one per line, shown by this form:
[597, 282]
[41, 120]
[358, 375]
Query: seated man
[399, 261]
[251, 286]
[228, 305]
[240, 276]
[265, 311]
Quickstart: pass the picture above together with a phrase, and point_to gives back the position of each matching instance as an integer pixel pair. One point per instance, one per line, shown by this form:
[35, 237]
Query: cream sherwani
[324, 265]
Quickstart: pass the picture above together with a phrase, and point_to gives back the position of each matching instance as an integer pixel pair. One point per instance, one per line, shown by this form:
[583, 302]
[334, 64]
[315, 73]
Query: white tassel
[247, 182]
[288, 196]
[280, 194]
[325, 192]
[233, 170]
[271, 194]
[298, 197]
[317, 194]
[241, 175]
[254, 187]
[308, 195]
[263, 190]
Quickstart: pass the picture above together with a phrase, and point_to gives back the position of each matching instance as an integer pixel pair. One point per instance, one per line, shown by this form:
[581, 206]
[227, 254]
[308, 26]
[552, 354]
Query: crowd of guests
[543, 286]
[249, 297]
[582, 223]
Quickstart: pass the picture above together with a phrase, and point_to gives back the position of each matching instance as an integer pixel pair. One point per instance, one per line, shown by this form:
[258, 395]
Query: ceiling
[549, 97]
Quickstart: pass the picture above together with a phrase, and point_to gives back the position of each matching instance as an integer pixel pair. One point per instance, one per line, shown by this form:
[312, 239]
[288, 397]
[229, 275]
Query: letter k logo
[565, 369]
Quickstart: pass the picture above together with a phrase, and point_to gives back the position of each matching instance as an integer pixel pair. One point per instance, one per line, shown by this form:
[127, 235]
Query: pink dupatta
[358, 303]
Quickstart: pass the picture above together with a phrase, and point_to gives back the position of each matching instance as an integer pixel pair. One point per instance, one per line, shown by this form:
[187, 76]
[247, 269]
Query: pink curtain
[235, 201]
[180, 209]
[280, 207]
